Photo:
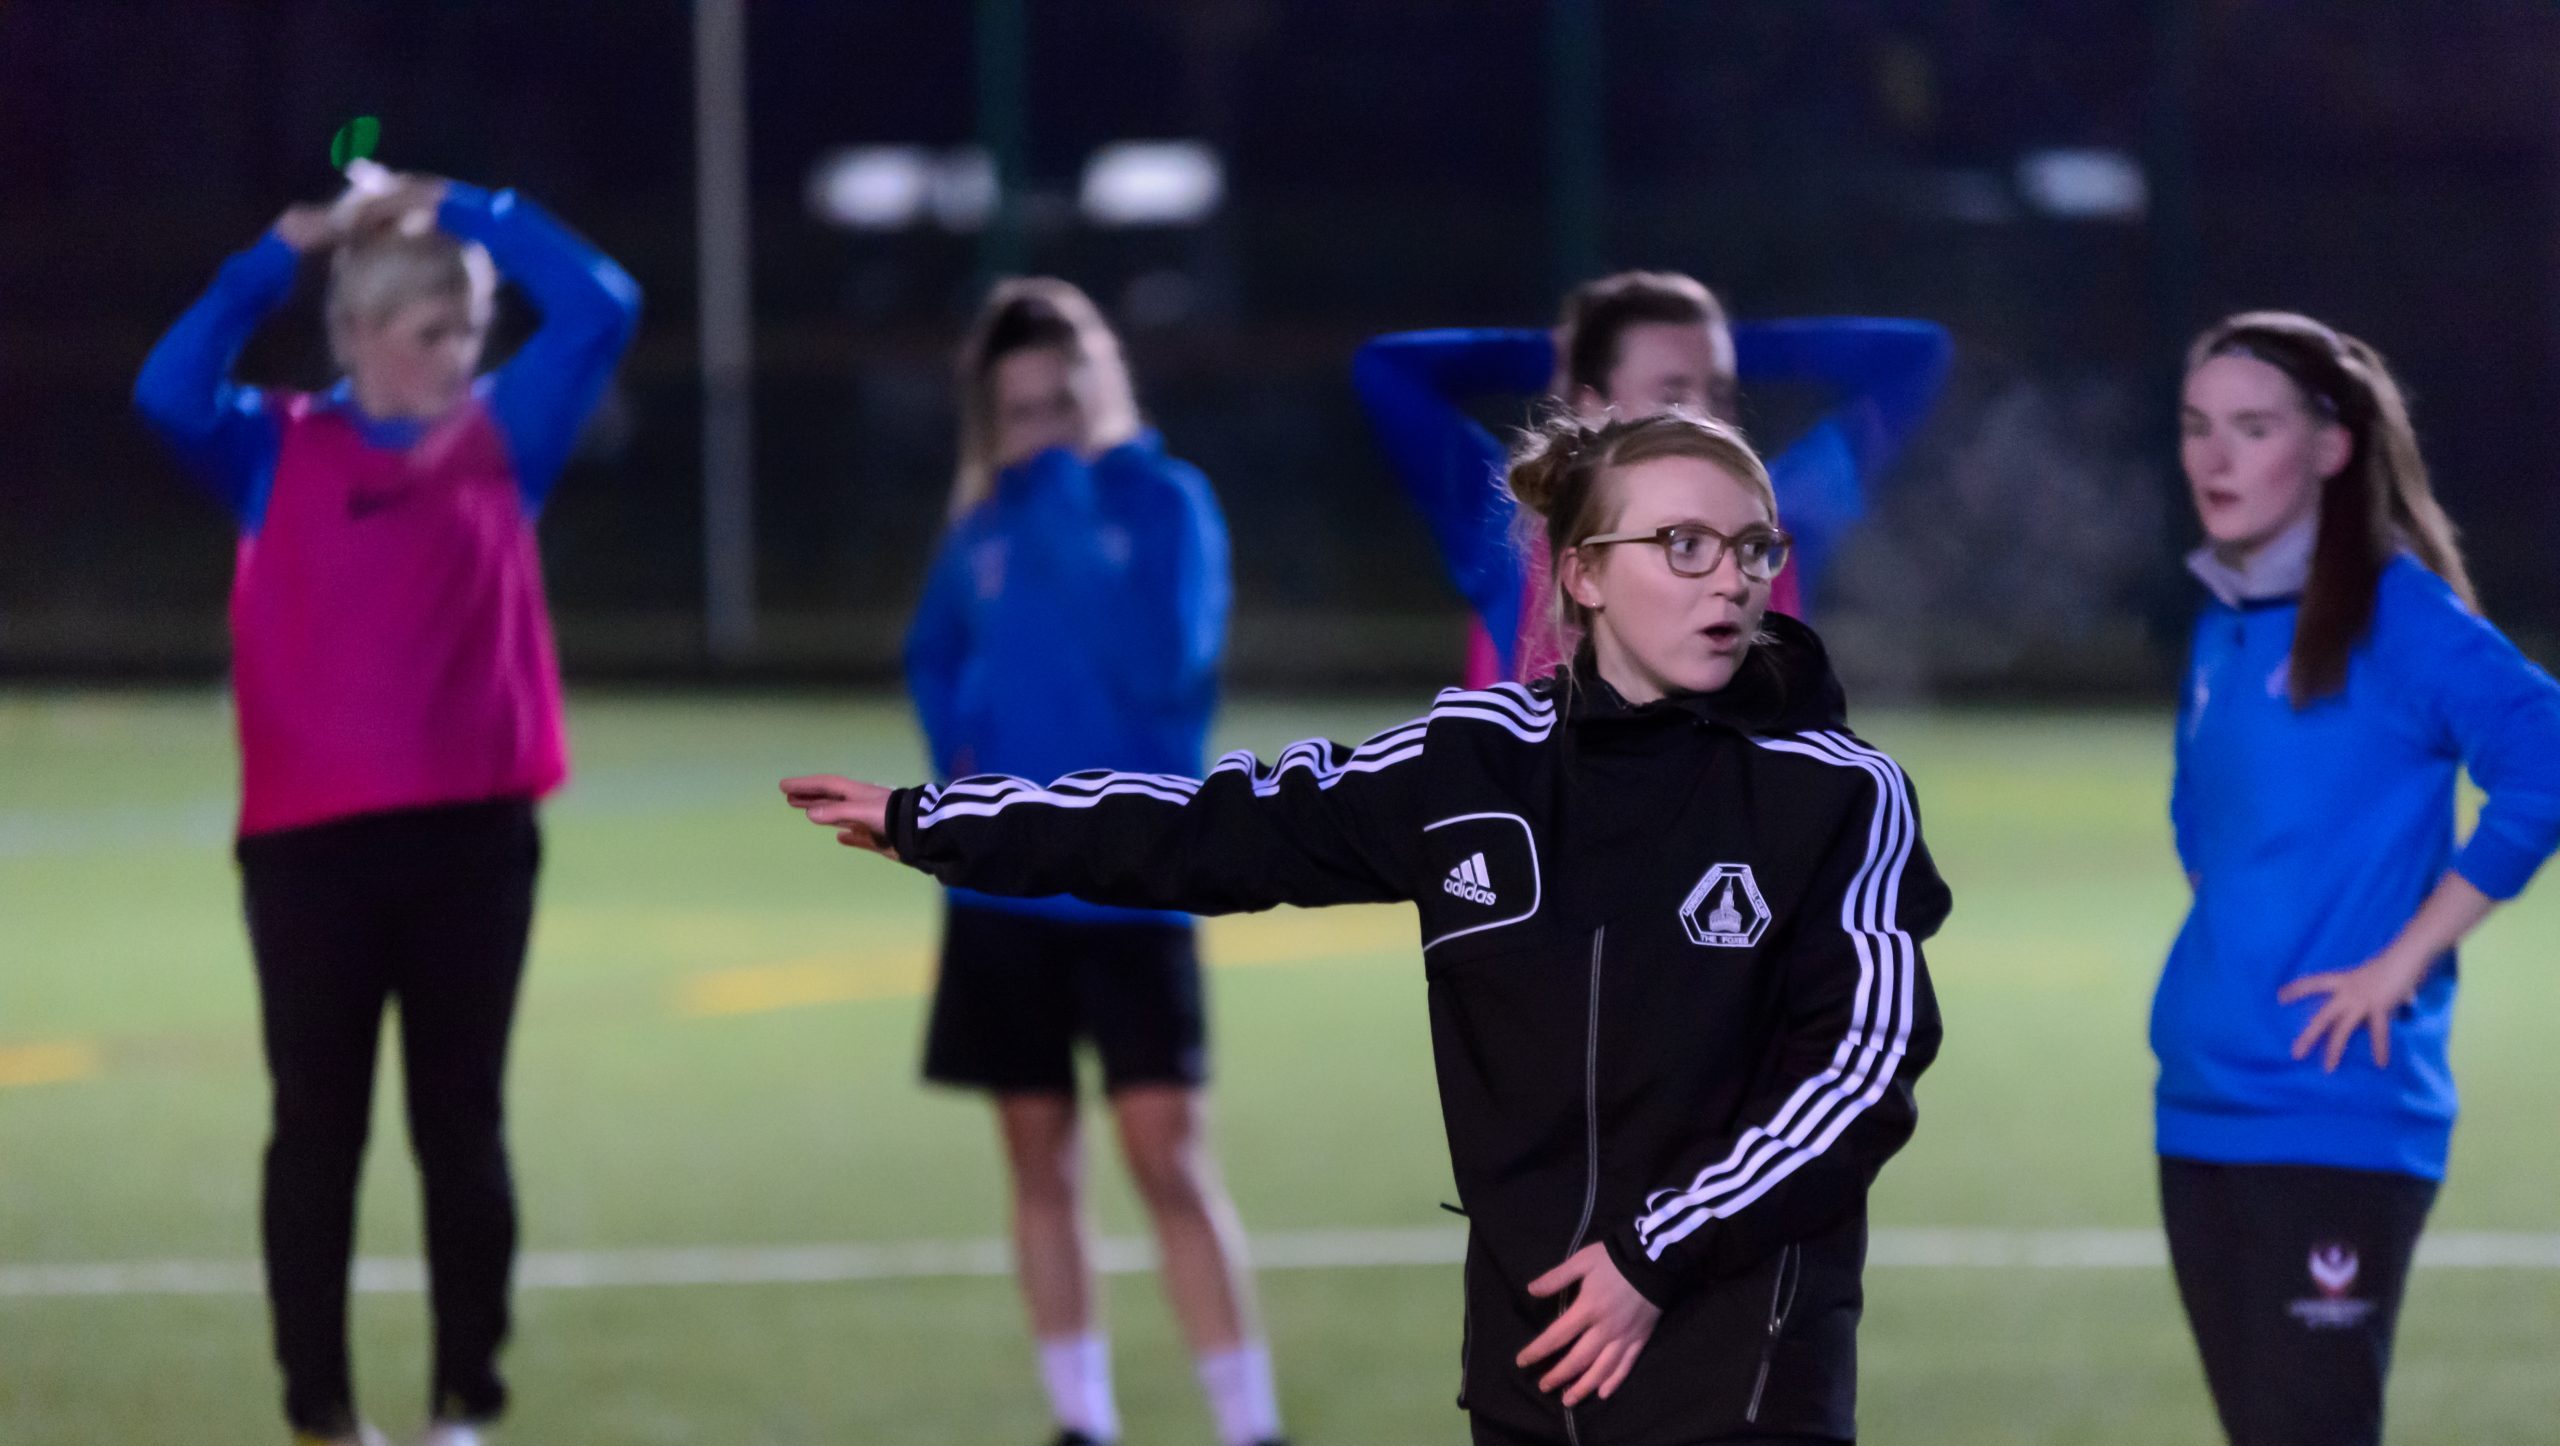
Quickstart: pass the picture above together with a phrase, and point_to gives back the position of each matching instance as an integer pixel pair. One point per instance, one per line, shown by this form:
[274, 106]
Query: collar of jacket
[2277, 572]
[1786, 685]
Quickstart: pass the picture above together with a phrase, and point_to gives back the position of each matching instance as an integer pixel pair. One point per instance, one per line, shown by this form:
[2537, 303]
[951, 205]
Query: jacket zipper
[1591, 1130]
[1782, 1299]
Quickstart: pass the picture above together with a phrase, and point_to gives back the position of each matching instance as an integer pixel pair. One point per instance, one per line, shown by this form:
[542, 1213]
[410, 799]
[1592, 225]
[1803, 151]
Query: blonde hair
[376, 274]
[1561, 470]
[1023, 312]
[2378, 502]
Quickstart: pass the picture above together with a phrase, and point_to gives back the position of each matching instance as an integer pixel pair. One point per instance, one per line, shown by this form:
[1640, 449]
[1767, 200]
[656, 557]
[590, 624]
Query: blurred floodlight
[2084, 185]
[869, 188]
[1152, 183]
[960, 190]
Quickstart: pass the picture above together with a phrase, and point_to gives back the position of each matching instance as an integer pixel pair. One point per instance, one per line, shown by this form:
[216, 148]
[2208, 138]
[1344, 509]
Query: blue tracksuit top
[1884, 374]
[228, 432]
[2313, 837]
[1074, 620]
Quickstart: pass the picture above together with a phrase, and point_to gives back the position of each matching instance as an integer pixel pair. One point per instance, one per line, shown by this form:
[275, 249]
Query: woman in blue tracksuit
[1630, 345]
[1073, 616]
[2341, 677]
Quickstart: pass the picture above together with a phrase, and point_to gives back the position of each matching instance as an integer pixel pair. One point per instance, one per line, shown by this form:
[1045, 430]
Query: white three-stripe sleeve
[1320, 823]
[1860, 1024]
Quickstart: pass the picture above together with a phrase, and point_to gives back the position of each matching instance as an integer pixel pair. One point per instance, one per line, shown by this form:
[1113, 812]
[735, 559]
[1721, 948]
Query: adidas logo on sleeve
[1470, 882]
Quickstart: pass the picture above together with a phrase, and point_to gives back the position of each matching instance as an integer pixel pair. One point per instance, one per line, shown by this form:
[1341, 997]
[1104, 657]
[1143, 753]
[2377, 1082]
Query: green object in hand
[355, 141]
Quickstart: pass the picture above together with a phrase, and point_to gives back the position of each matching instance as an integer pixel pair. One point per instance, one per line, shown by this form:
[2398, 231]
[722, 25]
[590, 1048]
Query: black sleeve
[1320, 824]
[1859, 1025]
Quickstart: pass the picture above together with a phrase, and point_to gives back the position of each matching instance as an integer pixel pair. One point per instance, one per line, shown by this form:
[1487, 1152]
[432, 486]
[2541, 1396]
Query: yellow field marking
[758, 988]
[1286, 936]
[51, 1063]
[1306, 936]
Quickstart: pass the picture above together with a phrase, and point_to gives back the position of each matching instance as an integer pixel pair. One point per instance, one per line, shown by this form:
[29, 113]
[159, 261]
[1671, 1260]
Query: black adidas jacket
[1676, 989]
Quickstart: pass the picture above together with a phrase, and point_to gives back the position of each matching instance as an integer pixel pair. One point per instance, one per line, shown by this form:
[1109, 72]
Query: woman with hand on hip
[2341, 678]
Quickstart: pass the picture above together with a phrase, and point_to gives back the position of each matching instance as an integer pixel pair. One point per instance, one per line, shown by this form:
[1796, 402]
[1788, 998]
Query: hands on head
[858, 812]
[375, 199]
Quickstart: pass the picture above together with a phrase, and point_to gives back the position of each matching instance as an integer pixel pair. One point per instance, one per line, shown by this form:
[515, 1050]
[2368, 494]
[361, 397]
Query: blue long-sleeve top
[1883, 375]
[1075, 620]
[2313, 836]
[229, 433]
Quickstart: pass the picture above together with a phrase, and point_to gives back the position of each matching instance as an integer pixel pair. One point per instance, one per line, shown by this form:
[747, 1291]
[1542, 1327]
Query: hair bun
[1541, 470]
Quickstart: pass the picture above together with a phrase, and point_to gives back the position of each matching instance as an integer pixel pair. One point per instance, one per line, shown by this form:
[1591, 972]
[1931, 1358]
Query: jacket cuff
[904, 836]
[1662, 1284]
[2497, 865]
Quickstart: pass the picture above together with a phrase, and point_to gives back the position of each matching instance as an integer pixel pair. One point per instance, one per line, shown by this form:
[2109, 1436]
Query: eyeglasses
[1695, 550]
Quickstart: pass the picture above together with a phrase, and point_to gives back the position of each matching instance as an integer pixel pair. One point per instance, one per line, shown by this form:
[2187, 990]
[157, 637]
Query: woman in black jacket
[1671, 913]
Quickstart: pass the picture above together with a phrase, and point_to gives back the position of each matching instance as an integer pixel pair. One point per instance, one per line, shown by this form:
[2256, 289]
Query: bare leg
[1164, 1134]
[1044, 1153]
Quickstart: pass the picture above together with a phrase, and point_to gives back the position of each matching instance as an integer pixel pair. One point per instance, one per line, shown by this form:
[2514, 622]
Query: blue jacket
[228, 435]
[1074, 620]
[1885, 375]
[2313, 836]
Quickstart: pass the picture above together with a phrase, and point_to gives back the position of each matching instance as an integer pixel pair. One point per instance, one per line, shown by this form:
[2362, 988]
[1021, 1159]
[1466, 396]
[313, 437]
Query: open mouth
[1724, 635]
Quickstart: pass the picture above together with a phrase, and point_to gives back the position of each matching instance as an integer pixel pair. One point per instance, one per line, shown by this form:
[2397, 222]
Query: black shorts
[1017, 991]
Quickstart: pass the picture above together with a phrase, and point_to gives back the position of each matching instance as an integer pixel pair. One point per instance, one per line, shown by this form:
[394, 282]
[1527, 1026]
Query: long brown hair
[2377, 503]
[1023, 312]
[1561, 471]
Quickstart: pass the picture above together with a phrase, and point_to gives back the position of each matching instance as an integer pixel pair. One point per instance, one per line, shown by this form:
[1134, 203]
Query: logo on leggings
[2333, 1274]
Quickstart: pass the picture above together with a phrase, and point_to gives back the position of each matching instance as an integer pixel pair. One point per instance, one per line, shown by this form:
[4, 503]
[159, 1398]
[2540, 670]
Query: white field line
[1890, 1248]
[205, 822]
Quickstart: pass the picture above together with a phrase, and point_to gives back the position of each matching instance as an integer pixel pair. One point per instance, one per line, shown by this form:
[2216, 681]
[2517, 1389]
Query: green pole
[1002, 48]
[1574, 139]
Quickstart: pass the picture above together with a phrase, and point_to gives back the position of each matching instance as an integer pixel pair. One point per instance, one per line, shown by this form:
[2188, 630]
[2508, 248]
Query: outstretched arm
[1320, 824]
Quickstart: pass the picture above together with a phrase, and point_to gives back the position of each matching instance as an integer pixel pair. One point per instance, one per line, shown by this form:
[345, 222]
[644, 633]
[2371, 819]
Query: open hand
[1605, 1327]
[309, 228]
[2365, 996]
[858, 812]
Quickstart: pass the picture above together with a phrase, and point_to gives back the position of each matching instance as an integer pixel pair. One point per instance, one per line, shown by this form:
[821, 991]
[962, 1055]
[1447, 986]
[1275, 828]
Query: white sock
[1240, 1394]
[1077, 1371]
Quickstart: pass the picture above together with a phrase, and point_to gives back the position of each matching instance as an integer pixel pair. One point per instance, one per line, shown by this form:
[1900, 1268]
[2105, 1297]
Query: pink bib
[390, 643]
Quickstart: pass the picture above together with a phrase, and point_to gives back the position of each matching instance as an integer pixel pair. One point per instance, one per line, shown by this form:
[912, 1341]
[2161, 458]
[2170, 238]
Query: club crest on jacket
[1725, 910]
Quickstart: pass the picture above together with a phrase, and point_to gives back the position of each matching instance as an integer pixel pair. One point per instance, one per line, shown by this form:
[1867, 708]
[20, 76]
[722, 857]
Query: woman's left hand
[2365, 996]
[1606, 1327]
[858, 812]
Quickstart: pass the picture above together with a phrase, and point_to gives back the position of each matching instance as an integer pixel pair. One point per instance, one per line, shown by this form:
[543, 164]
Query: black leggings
[2292, 1277]
[431, 907]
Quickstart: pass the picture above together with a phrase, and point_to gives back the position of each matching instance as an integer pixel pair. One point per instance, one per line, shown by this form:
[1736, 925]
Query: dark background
[2392, 168]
